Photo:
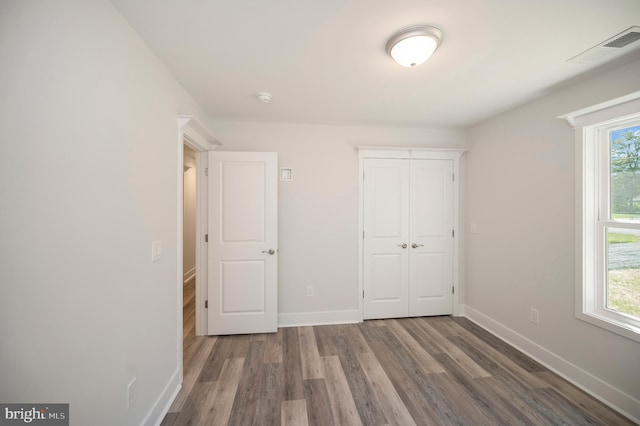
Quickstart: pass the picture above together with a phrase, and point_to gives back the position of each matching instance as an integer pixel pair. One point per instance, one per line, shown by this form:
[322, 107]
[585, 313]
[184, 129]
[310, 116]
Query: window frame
[592, 211]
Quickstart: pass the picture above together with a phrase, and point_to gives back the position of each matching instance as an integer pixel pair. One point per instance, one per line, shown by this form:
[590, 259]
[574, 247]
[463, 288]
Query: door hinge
[363, 235]
[453, 233]
[453, 290]
[206, 171]
[453, 177]
[363, 294]
[206, 304]
[206, 238]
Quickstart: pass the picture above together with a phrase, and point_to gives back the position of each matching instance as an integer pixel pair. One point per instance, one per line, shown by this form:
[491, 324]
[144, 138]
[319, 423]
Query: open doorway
[189, 258]
[192, 316]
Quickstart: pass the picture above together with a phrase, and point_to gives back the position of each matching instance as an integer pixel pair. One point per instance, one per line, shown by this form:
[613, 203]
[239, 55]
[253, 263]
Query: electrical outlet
[309, 290]
[534, 316]
[131, 392]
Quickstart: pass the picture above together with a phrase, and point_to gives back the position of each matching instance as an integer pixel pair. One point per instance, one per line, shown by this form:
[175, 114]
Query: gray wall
[520, 196]
[90, 113]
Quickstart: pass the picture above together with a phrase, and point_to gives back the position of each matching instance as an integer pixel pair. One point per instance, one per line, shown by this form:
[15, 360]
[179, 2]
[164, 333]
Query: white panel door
[431, 247]
[243, 242]
[386, 237]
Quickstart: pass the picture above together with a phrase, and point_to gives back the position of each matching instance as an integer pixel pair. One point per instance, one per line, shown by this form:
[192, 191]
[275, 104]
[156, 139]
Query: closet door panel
[431, 227]
[430, 275]
[386, 238]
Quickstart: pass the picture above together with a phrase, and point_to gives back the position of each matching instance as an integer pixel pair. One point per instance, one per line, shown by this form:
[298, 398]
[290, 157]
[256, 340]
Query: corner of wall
[608, 394]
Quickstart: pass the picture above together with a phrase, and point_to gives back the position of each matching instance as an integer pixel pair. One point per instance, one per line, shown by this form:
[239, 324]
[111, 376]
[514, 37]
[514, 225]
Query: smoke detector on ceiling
[618, 45]
[264, 97]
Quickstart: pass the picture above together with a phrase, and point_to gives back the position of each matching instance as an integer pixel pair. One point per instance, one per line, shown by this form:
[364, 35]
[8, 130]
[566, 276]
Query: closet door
[431, 242]
[386, 238]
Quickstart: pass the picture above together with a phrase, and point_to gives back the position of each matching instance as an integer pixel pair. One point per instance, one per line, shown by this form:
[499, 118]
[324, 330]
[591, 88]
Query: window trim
[591, 123]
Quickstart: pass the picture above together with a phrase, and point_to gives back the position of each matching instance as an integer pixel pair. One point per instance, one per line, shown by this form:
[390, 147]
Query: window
[609, 216]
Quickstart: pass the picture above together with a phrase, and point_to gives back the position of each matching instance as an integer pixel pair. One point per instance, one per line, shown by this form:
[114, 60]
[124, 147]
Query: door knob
[271, 251]
[414, 245]
[403, 245]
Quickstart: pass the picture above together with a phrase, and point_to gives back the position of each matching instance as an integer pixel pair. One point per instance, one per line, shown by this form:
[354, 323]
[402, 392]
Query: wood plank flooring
[438, 370]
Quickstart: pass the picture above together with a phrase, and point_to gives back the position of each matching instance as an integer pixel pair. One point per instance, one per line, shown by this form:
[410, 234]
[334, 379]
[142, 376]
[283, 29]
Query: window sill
[622, 329]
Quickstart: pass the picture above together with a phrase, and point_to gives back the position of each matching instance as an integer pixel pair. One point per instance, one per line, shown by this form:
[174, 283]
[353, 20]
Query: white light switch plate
[156, 250]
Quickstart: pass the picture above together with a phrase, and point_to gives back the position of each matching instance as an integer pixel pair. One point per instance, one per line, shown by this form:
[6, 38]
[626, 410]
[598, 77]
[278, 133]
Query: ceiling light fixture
[414, 45]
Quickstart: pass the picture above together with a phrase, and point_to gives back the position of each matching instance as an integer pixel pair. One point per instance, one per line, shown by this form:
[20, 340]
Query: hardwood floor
[439, 370]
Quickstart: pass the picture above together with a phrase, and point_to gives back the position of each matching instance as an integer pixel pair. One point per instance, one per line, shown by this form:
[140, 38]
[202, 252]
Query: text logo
[34, 414]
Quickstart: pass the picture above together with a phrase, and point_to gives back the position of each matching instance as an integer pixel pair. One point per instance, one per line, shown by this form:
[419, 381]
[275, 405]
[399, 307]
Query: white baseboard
[163, 403]
[608, 394]
[188, 276]
[319, 318]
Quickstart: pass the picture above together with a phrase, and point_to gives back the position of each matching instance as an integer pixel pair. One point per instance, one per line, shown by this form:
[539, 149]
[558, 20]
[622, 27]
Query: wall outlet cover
[534, 316]
[131, 392]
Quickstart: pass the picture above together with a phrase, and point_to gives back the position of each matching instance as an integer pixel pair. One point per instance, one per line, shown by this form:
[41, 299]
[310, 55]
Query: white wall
[520, 195]
[189, 215]
[318, 210]
[89, 177]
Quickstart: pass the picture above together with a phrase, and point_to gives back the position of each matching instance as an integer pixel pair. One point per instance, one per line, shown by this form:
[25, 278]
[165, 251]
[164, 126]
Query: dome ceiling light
[414, 45]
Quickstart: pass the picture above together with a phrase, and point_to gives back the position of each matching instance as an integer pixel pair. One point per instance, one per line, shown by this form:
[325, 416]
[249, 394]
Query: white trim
[161, 407]
[319, 318]
[197, 133]
[571, 117]
[202, 265]
[609, 395]
[452, 154]
[188, 276]
[194, 134]
[588, 192]
[410, 152]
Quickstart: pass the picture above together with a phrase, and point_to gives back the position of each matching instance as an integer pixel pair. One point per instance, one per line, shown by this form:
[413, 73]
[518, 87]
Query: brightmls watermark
[34, 414]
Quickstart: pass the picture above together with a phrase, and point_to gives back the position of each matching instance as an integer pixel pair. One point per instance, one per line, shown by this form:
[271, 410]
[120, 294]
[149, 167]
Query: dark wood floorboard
[424, 371]
[318, 405]
[292, 365]
[245, 404]
[268, 410]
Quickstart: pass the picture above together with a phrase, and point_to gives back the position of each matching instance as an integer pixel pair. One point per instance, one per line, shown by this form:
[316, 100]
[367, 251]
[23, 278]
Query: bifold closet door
[408, 241]
[386, 238]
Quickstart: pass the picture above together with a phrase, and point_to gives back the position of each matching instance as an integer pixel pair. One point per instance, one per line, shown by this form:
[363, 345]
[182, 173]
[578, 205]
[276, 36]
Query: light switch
[156, 250]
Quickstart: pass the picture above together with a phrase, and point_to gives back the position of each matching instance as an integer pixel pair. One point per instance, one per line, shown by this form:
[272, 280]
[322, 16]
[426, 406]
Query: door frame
[194, 134]
[453, 154]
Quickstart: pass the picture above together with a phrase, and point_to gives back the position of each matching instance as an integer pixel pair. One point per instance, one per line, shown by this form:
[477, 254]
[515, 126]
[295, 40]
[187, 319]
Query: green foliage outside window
[625, 174]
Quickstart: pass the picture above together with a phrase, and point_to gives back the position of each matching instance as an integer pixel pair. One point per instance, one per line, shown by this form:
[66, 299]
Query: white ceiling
[324, 61]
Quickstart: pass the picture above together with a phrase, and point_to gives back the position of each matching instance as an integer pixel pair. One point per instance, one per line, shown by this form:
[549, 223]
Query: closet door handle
[403, 245]
[414, 245]
[271, 251]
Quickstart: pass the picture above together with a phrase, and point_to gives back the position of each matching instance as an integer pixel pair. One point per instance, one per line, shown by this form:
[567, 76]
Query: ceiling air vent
[613, 47]
[626, 39]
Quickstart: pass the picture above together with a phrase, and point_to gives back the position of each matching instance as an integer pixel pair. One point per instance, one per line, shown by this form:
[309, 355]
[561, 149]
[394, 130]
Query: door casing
[194, 134]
